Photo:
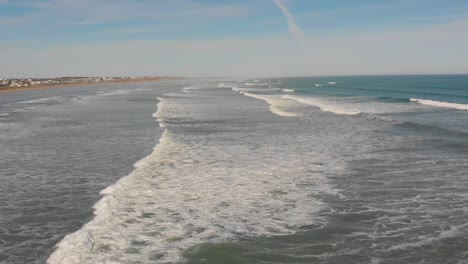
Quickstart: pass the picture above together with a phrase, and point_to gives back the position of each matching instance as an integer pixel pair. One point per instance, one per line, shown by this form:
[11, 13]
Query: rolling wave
[326, 106]
[288, 90]
[40, 100]
[435, 130]
[186, 193]
[440, 104]
[278, 106]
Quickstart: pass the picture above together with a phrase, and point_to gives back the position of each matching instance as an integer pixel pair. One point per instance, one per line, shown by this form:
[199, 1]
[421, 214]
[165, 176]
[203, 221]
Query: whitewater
[237, 171]
[200, 186]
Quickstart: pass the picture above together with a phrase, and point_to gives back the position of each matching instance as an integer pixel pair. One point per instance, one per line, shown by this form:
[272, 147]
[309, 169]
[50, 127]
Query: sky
[245, 38]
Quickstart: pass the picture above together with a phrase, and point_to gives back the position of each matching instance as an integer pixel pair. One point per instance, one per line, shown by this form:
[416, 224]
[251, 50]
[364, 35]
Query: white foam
[158, 114]
[94, 240]
[243, 89]
[123, 91]
[318, 85]
[327, 106]
[186, 89]
[440, 104]
[331, 83]
[189, 192]
[223, 85]
[236, 89]
[288, 90]
[451, 232]
[202, 87]
[35, 101]
[278, 105]
[117, 92]
[167, 111]
[257, 84]
[355, 106]
[198, 188]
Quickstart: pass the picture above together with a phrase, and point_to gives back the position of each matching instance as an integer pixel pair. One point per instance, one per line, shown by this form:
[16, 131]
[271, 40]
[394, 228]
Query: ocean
[361, 169]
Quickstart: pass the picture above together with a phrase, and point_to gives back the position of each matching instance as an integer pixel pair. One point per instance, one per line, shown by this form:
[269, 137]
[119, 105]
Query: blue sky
[232, 38]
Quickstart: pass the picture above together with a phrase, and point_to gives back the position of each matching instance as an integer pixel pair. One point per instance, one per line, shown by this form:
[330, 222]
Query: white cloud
[294, 28]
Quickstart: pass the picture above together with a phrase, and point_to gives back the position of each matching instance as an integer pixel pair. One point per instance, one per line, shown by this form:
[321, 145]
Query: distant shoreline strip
[66, 85]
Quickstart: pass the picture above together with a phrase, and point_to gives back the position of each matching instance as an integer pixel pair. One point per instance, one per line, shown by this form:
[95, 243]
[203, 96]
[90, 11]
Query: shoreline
[67, 85]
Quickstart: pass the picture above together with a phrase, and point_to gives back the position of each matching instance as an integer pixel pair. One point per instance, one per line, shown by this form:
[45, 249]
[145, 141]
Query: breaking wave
[327, 106]
[288, 90]
[177, 198]
[278, 106]
[440, 104]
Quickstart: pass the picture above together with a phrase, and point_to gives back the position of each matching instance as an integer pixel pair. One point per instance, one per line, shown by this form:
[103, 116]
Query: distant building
[32, 83]
[14, 84]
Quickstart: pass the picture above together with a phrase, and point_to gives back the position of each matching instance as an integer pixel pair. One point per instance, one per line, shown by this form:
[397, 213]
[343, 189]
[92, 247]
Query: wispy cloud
[219, 38]
[94, 12]
[294, 28]
[339, 55]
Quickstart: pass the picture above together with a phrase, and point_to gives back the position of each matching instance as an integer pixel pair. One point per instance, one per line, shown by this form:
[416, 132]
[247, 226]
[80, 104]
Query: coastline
[66, 85]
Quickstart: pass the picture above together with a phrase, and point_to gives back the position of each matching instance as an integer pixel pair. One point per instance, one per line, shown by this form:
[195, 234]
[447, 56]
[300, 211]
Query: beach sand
[65, 85]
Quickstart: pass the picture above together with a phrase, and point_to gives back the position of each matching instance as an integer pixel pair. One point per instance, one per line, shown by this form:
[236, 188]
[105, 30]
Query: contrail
[294, 28]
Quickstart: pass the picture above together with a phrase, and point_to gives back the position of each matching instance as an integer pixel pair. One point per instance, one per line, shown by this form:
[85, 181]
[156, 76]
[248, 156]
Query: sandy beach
[54, 86]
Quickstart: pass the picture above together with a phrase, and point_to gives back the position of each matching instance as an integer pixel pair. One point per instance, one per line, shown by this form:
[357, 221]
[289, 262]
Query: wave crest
[278, 106]
[323, 105]
[440, 104]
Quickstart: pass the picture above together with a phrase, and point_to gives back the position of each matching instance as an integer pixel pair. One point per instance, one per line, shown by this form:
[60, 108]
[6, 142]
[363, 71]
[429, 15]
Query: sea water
[368, 169]
[58, 149]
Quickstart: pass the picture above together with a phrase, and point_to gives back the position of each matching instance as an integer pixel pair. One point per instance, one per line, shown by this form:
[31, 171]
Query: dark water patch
[220, 253]
[258, 251]
[438, 138]
[392, 99]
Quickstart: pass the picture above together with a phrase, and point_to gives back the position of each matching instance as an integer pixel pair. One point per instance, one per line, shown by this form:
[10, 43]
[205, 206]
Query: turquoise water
[446, 88]
[442, 99]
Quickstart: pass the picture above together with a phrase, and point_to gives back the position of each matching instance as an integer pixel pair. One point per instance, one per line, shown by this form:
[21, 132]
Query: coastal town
[65, 81]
